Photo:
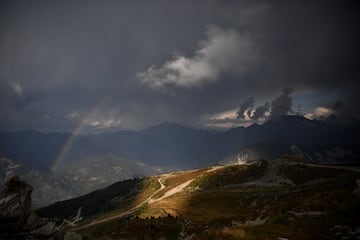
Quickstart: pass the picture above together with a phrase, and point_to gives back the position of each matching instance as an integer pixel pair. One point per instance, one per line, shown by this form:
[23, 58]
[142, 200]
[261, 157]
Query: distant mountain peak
[291, 119]
[167, 125]
[172, 127]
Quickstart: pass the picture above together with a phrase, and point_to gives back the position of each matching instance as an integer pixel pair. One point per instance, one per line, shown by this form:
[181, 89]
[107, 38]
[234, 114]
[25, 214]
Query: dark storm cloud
[58, 59]
[260, 111]
[222, 51]
[72, 54]
[308, 46]
[245, 108]
[337, 105]
[282, 105]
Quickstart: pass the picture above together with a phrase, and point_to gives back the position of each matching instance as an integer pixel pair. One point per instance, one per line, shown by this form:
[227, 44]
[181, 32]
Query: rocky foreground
[17, 221]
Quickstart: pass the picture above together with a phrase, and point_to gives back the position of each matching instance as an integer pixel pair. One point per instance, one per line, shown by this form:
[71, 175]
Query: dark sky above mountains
[107, 65]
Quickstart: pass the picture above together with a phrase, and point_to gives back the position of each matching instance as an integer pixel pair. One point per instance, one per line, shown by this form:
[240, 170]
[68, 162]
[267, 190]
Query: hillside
[85, 163]
[49, 186]
[283, 198]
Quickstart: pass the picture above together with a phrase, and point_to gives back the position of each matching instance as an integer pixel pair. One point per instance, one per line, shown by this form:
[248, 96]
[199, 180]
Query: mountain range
[95, 161]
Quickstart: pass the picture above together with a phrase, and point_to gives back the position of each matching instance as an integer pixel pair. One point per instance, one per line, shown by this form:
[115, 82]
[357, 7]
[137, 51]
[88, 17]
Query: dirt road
[96, 222]
[170, 192]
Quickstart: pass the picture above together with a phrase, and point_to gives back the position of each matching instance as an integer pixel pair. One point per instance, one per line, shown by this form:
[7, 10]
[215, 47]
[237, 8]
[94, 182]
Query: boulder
[72, 236]
[17, 221]
[15, 201]
[47, 229]
[34, 221]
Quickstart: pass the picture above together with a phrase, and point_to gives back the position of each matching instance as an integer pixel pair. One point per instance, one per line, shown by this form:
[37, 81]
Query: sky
[111, 65]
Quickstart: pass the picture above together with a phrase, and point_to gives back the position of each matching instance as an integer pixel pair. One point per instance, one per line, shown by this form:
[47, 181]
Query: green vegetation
[136, 228]
[236, 174]
[101, 201]
[319, 199]
[300, 174]
[144, 208]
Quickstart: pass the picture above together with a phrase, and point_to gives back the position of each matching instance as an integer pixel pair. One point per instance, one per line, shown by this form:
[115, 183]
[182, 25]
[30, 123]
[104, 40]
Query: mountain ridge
[94, 161]
[273, 198]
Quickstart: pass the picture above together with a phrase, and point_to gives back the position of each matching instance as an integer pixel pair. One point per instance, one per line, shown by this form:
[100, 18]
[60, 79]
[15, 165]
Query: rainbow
[75, 133]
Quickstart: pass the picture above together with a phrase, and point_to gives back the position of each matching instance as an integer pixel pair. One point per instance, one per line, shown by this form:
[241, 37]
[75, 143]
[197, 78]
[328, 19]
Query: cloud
[72, 115]
[226, 119]
[282, 104]
[103, 119]
[223, 51]
[245, 108]
[338, 104]
[260, 113]
[248, 114]
[106, 123]
[106, 119]
[319, 113]
[326, 111]
[230, 114]
[17, 88]
[227, 124]
[62, 63]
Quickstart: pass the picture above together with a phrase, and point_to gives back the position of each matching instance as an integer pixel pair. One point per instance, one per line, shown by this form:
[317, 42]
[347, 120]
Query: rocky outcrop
[15, 201]
[72, 236]
[17, 221]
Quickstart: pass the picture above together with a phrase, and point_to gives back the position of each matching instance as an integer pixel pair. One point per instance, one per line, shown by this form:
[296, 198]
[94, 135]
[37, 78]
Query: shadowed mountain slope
[282, 198]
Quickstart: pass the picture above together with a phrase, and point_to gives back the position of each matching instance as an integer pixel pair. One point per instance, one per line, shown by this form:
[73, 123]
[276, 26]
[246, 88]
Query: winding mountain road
[96, 222]
[176, 189]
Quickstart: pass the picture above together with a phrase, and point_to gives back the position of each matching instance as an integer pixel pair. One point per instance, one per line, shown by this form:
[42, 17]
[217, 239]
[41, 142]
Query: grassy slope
[216, 203]
[118, 196]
